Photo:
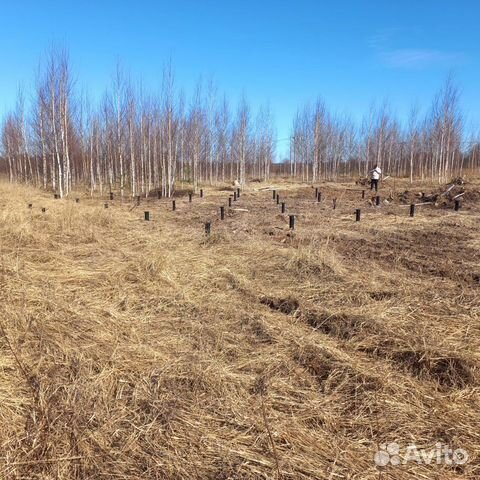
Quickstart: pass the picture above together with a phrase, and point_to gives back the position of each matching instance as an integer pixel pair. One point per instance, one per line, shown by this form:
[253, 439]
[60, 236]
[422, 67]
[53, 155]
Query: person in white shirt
[375, 174]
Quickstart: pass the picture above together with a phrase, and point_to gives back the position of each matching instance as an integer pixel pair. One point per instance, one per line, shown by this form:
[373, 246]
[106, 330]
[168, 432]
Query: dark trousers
[374, 183]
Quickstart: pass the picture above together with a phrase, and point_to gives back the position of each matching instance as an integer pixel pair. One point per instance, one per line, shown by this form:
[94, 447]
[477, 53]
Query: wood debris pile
[446, 195]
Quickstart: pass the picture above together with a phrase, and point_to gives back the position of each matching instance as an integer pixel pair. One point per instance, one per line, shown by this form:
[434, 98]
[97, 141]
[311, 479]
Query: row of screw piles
[236, 195]
[318, 196]
[283, 206]
[159, 196]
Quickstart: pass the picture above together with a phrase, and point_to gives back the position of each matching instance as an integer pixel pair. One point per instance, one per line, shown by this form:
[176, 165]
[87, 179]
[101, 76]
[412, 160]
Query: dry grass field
[135, 349]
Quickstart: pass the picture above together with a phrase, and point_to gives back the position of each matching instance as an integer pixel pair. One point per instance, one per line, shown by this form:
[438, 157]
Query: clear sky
[284, 52]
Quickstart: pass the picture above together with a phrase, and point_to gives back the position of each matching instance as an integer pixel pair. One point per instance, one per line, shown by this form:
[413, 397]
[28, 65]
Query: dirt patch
[288, 305]
[448, 371]
[381, 295]
[434, 253]
[472, 196]
[342, 326]
[334, 375]
[257, 328]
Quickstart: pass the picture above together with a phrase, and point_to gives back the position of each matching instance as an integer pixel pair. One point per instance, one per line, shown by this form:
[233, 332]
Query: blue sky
[284, 52]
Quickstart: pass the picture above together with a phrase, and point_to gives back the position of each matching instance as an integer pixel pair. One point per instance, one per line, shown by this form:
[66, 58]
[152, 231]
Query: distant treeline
[135, 141]
[432, 146]
[132, 140]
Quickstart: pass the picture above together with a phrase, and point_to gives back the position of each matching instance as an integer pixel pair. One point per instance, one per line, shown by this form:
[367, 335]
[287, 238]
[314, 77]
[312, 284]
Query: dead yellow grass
[134, 349]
